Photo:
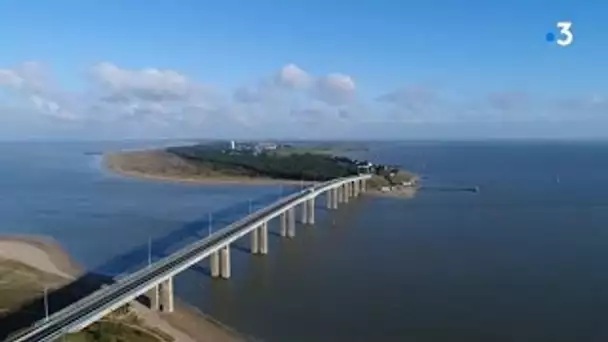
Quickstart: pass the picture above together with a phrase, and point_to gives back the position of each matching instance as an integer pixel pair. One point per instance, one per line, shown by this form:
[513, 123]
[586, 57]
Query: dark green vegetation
[269, 164]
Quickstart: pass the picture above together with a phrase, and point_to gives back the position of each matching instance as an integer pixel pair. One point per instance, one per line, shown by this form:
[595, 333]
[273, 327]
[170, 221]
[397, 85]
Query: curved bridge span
[156, 280]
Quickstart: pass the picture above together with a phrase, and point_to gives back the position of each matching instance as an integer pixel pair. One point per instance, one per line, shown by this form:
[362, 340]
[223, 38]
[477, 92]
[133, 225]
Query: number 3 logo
[567, 36]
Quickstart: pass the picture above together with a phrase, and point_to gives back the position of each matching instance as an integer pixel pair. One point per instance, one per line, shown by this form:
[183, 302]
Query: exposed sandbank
[42, 253]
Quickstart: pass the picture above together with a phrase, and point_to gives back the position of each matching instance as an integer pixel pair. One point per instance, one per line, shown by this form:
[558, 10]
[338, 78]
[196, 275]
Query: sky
[302, 69]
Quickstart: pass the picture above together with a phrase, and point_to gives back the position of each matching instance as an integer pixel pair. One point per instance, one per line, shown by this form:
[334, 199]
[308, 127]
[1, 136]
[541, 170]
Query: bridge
[156, 280]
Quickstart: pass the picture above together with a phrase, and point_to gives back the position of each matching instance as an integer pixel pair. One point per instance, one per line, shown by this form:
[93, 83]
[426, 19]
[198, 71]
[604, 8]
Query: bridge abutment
[154, 297]
[167, 303]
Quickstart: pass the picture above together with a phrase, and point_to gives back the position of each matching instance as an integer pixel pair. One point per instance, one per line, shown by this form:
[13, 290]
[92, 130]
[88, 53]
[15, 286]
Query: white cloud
[31, 81]
[166, 100]
[153, 85]
[293, 82]
[10, 78]
[293, 77]
[336, 89]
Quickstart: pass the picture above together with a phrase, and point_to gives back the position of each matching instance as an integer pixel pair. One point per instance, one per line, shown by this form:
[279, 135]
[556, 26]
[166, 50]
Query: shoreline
[206, 181]
[40, 253]
[46, 255]
[405, 193]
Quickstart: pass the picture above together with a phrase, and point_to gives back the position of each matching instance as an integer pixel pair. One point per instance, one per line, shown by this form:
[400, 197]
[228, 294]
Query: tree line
[309, 167]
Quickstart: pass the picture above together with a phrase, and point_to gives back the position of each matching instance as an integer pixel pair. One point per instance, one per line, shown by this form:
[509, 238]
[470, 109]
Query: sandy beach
[186, 324]
[39, 252]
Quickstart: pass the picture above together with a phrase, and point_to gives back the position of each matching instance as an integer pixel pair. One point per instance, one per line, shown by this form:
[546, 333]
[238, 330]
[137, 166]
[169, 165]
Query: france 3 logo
[565, 36]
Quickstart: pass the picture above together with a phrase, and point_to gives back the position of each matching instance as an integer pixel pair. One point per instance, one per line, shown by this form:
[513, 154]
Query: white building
[232, 145]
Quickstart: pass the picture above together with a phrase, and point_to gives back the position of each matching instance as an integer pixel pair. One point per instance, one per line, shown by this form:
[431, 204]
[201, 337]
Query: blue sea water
[523, 260]
[106, 221]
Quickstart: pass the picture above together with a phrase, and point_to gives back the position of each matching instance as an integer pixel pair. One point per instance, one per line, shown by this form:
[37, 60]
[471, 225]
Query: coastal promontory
[258, 163]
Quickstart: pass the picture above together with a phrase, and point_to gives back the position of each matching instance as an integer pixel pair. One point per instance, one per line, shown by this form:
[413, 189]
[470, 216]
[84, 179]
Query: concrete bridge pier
[225, 262]
[214, 264]
[311, 211]
[304, 212]
[329, 200]
[167, 303]
[346, 192]
[283, 224]
[335, 198]
[263, 232]
[255, 238]
[154, 297]
[291, 223]
[357, 184]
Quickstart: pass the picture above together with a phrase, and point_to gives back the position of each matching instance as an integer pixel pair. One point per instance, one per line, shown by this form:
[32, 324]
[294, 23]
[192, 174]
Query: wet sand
[45, 254]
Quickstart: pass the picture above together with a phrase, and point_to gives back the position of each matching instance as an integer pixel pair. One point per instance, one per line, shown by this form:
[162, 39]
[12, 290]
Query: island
[259, 163]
